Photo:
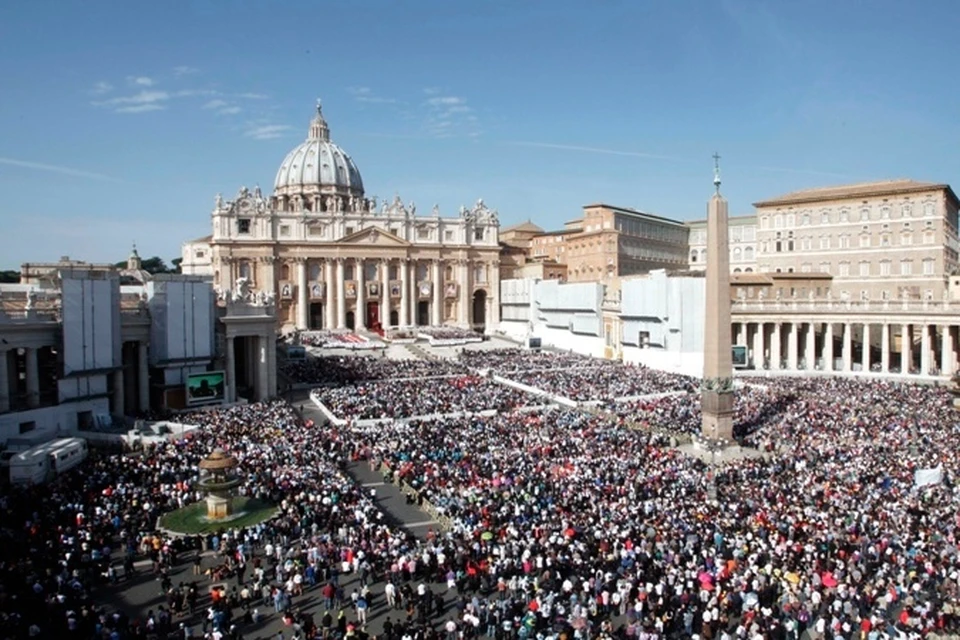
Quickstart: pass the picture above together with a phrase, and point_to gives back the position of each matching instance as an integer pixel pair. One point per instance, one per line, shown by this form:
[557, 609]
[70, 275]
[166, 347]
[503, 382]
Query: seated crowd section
[561, 523]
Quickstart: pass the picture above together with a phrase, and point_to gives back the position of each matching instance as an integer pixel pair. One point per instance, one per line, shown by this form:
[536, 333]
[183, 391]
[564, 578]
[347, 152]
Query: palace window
[928, 266]
[928, 237]
[284, 230]
[448, 235]
[245, 271]
[423, 233]
[806, 243]
[906, 238]
[198, 253]
[824, 242]
[906, 211]
[906, 267]
[884, 267]
[805, 220]
[928, 209]
[243, 225]
[824, 217]
[864, 240]
[480, 274]
[844, 216]
[348, 231]
[791, 220]
[864, 268]
[748, 253]
[885, 213]
[778, 221]
[844, 241]
[478, 234]
[844, 269]
[824, 267]
[864, 214]
[806, 267]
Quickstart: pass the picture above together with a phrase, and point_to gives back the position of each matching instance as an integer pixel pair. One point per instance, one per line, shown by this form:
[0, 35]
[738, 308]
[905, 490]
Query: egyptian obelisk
[716, 390]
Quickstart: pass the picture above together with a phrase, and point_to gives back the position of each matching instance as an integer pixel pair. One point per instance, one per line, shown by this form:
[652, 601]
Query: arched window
[694, 255]
[748, 253]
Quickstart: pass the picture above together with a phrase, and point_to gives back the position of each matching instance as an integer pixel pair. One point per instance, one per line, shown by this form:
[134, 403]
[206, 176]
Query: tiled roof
[860, 190]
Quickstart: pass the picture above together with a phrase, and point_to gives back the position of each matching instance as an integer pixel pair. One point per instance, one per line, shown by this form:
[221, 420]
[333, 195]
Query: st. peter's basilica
[333, 258]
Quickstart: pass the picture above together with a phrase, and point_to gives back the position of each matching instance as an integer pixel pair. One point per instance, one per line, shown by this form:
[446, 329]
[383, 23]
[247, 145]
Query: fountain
[218, 479]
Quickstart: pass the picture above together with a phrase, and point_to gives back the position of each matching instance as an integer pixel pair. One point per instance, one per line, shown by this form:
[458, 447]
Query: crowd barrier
[566, 402]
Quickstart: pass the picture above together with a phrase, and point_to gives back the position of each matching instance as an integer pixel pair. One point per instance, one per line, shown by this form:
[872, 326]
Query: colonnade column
[865, 349]
[758, 346]
[302, 323]
[118, 404]
[885, 348]
[33, 378]
[828, 346]
[4, 381]
[328, 309]
[385, 292]
[792, 345]
[740, 338]
[810, 347]
[947, 361]
[847, 347]
[925, 350]
[405, 292]
[143, 377]
[341, 296]
[775, 343]
[360, 316]
[437, 296]
[231, 371]
[906, 349]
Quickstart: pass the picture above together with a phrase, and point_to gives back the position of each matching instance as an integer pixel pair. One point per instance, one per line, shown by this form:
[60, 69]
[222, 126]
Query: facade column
[776, 342]
[493, 300]
[885, 348]
[360, 316]
[463, 284]
[329, 312]
[231, 371]
[865, 349]
[925, 350]
[792, 345]
[33, 378]
[847, 347]
[302, 322]
[758, 347]
[263, 368]
[143, 377]
[385, 292]
[4, 381]
[828, 346]
[906, 349]
[341, 296]
[270, 271]
[405, 293]
[810, 347]
[437, 295]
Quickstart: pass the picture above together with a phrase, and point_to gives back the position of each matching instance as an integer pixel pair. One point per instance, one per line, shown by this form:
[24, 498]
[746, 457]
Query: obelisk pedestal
[716, 390]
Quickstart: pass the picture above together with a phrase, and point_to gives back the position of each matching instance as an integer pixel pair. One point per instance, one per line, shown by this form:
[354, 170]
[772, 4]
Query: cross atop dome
[318, 126]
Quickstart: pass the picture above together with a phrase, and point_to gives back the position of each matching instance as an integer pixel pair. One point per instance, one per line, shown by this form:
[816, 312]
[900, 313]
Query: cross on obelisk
[716, 390]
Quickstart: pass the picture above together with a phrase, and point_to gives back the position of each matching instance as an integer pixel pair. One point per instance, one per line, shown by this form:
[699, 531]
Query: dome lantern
[318, 127]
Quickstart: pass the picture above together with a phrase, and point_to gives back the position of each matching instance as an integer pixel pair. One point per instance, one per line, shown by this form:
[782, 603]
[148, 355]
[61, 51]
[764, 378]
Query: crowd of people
[604, 382]
[827, 536]
[562, 523]
[340, 370]
[400, 399]
[511, 360]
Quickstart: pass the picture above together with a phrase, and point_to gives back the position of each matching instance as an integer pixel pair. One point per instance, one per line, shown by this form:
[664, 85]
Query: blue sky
[120, 121]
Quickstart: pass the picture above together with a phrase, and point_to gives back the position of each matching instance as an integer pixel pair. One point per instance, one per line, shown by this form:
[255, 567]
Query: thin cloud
[610, 152]
[101, 88]
[449, 116]
[141, 81]
[267, 131]
[215, 104]
[367, 96]
[251, 96]
[143, 97]
[53, 168]
[184, 70]
[140, 108]
[229, 111]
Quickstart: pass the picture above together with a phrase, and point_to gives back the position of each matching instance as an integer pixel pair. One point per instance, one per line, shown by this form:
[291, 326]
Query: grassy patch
[192, 519]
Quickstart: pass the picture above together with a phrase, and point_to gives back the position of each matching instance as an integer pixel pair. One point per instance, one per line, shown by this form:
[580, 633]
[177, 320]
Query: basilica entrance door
[316, 315]
[423, 313]
[373, 316]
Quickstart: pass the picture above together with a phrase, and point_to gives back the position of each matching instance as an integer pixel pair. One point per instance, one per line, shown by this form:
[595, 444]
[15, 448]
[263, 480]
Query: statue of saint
[219, 201]
[436, 211]
[413, 208]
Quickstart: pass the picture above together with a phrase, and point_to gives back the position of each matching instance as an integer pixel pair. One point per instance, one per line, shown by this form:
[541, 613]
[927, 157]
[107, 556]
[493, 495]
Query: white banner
[924, 477]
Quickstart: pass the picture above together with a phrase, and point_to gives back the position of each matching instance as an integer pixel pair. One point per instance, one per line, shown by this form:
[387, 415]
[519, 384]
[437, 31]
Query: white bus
[48, 460]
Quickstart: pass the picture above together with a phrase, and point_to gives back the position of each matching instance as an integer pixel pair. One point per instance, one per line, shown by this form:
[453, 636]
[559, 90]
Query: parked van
[46, 461]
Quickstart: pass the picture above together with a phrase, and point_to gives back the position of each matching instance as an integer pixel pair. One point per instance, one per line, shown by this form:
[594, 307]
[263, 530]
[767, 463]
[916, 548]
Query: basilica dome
[318, 166]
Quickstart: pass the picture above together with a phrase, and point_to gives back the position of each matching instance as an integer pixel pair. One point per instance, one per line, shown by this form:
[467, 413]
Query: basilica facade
[331, 257]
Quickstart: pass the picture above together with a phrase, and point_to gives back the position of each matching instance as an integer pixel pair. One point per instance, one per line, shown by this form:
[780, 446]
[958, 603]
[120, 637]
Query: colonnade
[851, 345]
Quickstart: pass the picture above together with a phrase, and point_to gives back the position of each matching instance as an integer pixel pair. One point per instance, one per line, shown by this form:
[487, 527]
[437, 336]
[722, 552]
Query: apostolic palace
[336, 258]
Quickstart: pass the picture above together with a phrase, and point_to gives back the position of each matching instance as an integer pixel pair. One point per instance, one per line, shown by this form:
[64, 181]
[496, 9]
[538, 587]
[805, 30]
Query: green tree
[152, 265]
[9, 276]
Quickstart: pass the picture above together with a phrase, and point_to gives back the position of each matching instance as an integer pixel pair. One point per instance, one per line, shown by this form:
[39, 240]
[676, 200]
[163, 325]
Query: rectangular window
[284, 230]
[928, 267]
[864, 241]
[906, 267]
[423, 233]
[824, 242]
[885, 268]
[864, 268]
[448, 235]
[478, 234]
[844, 242]
[844, 269]
[243, 225]
[348, 231]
